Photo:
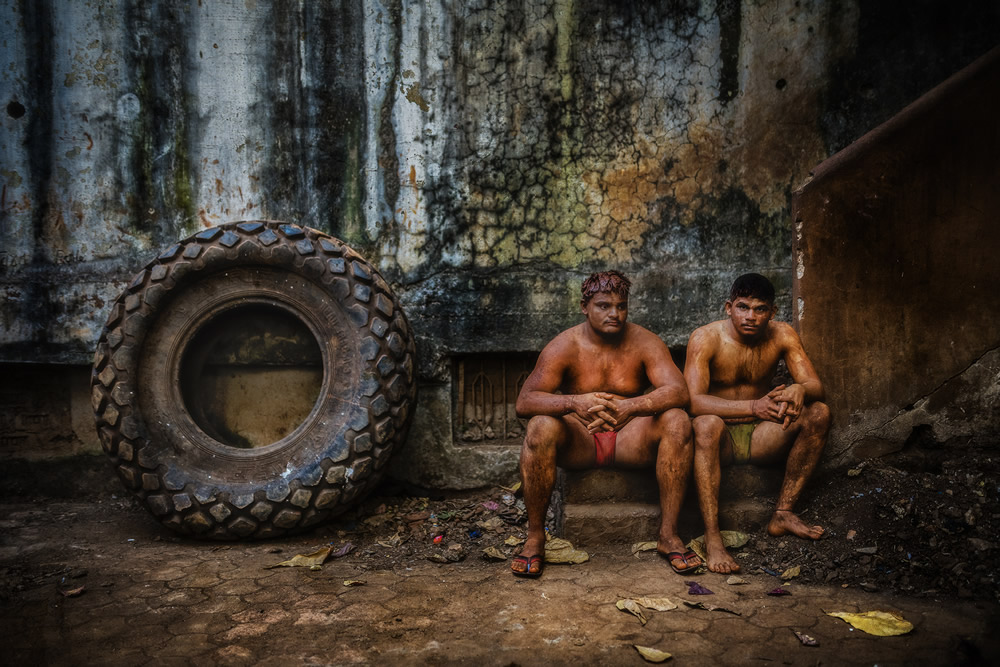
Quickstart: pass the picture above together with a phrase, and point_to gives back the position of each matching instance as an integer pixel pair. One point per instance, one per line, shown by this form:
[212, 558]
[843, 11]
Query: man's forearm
[537, 403]
[659, 400]
[705, 404]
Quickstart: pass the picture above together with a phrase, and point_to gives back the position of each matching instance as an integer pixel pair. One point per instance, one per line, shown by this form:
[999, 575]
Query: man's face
[749, 316]
[606, 313]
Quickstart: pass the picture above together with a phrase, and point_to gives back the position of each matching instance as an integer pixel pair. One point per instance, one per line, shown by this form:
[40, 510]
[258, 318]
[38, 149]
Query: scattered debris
[736, 581]
[651, 654]
[879, 623]
[694, 588]
[805, 639]
[779, 591]
[354, 582]
[791, 573]
[73, 592]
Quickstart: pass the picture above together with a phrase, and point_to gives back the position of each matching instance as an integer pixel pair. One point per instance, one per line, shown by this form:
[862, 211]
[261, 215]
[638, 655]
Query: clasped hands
[782, 405]
[601, 411]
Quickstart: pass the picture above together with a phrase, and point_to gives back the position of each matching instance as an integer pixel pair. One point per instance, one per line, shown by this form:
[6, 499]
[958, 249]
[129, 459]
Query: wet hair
[614, 282]
[752, 286]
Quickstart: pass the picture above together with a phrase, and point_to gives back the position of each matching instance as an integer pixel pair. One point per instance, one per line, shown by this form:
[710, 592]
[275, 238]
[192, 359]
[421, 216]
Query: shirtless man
[587, 405]
[739, 418]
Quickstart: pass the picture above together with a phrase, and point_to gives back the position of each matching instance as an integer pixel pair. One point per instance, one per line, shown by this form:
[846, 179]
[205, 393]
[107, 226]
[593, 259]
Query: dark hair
[605, 281]
[752, 286]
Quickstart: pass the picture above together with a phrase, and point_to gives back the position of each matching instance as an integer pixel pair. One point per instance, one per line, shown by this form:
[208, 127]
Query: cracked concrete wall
[905, 335]
[485, 155]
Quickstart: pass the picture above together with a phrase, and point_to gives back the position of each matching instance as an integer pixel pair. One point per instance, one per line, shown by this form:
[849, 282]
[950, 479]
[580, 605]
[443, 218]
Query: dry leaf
[558, 550]
[304, 560]
[642, 546]
[710, 607]
[492, 553]
[354, 582]
[632, 607]
[513, 541]
[656, 604]
[736, 581]
[651, 654]
[73, 592]
[791, 573]
[879, 623]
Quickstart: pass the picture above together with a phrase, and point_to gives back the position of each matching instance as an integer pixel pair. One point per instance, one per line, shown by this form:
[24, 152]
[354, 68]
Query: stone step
[622, 506]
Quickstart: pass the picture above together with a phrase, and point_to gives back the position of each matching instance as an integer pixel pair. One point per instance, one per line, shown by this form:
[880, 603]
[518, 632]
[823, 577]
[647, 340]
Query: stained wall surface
[906, 334]
[485, 155]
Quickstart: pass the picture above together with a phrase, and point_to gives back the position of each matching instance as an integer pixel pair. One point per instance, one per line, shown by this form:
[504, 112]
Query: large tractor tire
[190, 472]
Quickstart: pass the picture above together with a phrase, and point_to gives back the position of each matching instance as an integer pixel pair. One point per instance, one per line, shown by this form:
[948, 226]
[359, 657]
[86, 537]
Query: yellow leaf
[880, 623]
[558, 550]
[304, 560]
[354, 582]
[633, 608]
[656, 604]
[651, 654]
[731, 539]
[791, 573]
[642, 546]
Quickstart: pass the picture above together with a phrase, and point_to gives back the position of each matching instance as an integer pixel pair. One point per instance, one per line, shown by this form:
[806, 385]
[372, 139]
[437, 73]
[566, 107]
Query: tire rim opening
[251, 375]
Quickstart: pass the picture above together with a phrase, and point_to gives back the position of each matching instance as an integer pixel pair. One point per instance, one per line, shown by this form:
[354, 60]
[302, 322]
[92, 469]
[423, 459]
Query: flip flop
[528, 562]
[682, 557]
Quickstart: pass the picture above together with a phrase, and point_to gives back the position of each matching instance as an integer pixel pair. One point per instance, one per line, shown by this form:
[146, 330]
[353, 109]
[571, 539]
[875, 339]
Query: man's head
[750, 306]
[604, 301]
[613, 282]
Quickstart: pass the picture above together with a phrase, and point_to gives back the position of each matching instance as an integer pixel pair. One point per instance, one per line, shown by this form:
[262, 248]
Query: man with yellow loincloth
[587, 405]
[740, 418]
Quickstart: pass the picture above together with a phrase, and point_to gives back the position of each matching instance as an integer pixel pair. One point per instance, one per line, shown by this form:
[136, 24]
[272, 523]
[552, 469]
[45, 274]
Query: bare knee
[817, 417]
[675, 424]
[544, 434]
[707, 431]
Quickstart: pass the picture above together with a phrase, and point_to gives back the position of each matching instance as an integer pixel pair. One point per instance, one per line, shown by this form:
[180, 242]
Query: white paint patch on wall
[377, 76]
[229, 85]
[419, 123]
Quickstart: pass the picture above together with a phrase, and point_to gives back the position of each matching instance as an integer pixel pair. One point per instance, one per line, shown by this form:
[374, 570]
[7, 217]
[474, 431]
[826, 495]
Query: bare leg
[538, 477]
[802, 460]
[710, 438]
[673, 464]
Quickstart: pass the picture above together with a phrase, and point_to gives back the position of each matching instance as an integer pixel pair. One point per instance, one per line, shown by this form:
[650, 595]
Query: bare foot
[786, 521]
[719, 559]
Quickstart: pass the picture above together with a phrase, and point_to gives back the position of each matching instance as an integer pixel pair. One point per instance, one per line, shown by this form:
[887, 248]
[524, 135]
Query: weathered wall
[905, 334]
[485, 155]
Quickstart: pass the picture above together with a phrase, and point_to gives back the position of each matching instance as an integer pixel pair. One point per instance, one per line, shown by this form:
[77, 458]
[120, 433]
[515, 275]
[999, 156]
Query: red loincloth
[604, 444]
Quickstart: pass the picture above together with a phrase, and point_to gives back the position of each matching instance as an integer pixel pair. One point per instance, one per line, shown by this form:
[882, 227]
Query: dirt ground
[916, 532]
[922, 523]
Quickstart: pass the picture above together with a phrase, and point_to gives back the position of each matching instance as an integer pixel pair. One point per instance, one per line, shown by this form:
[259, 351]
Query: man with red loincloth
[740, 418]
[605, 393]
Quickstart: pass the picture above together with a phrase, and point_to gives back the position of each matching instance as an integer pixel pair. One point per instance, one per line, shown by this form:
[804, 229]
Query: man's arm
[701, 349]
[807, 387]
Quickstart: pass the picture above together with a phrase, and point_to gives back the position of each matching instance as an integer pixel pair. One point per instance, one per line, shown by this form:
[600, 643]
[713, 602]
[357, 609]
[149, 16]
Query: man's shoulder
[783, 332]
[709, 332]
